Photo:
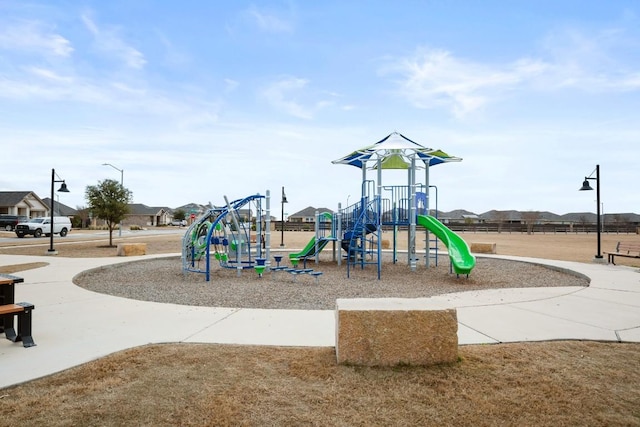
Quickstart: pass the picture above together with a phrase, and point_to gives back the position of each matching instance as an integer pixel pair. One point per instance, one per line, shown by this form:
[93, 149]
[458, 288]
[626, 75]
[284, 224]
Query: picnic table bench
[9, 310]
[624, 249]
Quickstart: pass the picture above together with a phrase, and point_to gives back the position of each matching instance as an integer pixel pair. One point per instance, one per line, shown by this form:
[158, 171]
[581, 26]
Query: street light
[63, 189]
[284, 200]
[122, 185]
[586, 187]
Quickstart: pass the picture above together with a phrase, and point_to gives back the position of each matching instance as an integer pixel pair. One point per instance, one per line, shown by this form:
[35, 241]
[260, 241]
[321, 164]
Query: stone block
[132, 249]
[483, 248]
[395, 331]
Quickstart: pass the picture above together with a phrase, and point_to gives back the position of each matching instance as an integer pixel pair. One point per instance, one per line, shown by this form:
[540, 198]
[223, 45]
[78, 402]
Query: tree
[179, 215]
[619, 220]
[583, 222]
[530, 218]
[501, 217]
[81, 220]
[109, 201]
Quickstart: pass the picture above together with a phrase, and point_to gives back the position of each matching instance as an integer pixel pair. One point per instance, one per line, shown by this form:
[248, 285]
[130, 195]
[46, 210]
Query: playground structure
[323, 235]
[220, 233]
[234, 244]
[396, 206]
[356, 229]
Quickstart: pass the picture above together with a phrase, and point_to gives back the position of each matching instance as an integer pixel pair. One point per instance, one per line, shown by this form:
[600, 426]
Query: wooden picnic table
[8, 294]
[8, 306]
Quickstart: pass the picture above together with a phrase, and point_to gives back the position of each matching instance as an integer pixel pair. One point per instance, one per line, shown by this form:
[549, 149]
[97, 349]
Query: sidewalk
[73, 326]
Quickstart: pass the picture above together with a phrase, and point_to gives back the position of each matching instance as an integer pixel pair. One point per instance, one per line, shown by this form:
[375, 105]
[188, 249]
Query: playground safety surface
[161, 280]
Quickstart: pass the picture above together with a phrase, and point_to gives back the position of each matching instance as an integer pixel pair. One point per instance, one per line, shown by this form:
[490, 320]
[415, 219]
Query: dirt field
[544, 384]
[568, 247]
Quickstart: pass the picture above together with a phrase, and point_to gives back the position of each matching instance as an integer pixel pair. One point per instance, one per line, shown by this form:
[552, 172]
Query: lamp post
[63, 189]
[284, 200]
[122, 185]
[586, 186]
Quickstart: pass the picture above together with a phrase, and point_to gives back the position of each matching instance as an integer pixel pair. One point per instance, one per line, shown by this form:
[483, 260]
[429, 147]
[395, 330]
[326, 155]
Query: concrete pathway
[73, 326]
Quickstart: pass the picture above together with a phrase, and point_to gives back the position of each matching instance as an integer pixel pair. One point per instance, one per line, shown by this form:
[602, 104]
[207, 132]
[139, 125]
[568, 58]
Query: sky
[197, 100]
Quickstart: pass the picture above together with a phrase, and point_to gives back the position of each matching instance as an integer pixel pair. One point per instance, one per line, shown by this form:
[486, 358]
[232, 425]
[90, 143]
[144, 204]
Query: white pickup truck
[39, 226]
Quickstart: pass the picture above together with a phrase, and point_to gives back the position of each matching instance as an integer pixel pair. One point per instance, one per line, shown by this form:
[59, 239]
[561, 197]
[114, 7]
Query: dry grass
[546, 384]
[8, 269]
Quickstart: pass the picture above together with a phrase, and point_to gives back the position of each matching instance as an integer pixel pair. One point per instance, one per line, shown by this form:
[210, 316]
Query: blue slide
[461, 258]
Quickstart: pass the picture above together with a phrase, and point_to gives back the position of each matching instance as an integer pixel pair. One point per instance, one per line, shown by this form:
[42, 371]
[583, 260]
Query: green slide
[461, 258]
[310, 249]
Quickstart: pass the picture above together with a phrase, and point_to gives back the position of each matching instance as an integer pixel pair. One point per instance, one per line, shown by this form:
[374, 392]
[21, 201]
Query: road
[9, 238]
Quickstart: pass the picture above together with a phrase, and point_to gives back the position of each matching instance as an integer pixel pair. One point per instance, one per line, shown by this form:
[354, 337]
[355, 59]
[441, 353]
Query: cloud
[568, 60]
[109, 41]
[594, 63]
[172, 55]
[280, 94]
[32, 36]
[436, 78]
[231, 85]
[49, 75]
[269, 21]
[293, 96]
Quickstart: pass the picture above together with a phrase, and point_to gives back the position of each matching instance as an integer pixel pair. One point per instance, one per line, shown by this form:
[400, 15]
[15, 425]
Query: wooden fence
[498, 228]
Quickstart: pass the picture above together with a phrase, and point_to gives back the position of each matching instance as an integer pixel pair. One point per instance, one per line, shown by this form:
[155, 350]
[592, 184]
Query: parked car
[178, 222]
[9, 222]
[39, 226]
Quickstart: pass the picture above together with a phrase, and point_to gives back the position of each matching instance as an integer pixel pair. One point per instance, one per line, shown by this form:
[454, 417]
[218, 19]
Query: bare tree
[620, 221]
[530, 218]
[501, 218]
[583, 222]
[83, 216]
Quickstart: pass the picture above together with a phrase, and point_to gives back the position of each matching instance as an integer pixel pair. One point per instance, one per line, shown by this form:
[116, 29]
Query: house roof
[12, 198]
[141, 209]
[629, 216]
[309, 211]
[60, 208]
[579, 217]
[457, 214]
[508, 215]
[192, 208]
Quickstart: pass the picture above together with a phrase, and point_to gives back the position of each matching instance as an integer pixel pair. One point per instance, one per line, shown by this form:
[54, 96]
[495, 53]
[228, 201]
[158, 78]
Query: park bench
[623, 249]
[23, 311]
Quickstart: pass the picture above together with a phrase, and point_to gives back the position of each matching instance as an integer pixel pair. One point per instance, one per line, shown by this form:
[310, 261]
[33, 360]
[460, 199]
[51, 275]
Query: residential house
[147, 216]
[60, 209]
[25, 203]
[244, 215]
[522, 217]
[401, 215]
[459, 216]
[193, 209]
[307, 215]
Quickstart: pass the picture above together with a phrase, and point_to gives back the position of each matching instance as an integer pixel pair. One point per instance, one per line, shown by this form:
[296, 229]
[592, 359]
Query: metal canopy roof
[395, 151]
